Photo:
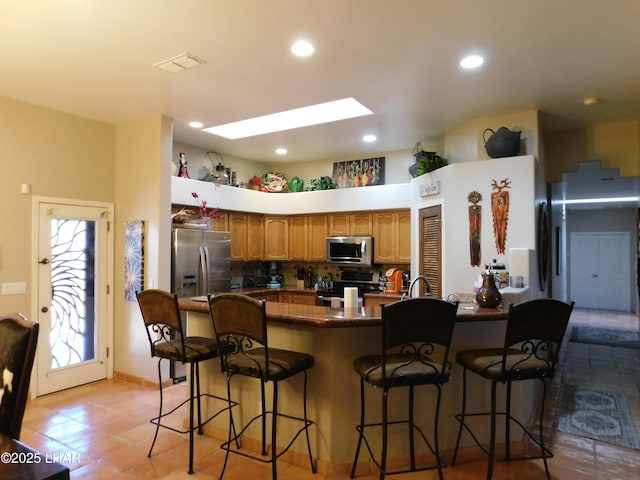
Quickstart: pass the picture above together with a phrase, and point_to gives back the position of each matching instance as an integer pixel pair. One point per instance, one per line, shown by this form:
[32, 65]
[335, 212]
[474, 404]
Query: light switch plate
[14, 288]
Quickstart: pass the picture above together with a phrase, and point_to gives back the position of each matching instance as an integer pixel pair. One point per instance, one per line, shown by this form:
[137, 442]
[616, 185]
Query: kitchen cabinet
[301, 298]
[317, 232]
[392, 236]
[298, 234]
[276, 237]
[220, 223]
[255, 237]
[350, 224]
[247, 236]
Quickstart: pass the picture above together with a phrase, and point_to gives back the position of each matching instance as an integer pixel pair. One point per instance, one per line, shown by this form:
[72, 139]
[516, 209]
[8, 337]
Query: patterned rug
[595, 414]
[605, 336]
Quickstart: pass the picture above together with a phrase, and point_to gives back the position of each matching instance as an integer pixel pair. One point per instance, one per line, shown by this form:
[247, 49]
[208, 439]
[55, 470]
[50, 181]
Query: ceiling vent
[179, 63]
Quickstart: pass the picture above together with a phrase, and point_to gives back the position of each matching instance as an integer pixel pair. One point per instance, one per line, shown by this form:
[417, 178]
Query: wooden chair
[18, 339]
[416, 336]
[535, 331]
[161, 316]
[242, 322]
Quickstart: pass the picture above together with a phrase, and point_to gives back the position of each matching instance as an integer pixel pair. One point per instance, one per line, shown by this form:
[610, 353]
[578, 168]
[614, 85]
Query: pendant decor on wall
[475, 222]
[500, 210]
[542, 244]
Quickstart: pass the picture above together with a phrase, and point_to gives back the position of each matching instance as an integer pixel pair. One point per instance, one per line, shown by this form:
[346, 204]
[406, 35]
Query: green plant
[430, 163]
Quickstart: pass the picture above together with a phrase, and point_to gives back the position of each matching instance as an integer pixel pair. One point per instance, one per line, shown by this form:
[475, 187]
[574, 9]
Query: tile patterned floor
[103, 429]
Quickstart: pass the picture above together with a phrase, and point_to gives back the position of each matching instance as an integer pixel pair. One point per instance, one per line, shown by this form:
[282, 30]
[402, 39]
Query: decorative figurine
[500, 209]
[475, 221]
[182, 171]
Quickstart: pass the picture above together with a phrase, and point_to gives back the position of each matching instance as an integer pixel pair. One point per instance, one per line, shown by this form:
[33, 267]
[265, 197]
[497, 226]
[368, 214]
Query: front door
[74, 243]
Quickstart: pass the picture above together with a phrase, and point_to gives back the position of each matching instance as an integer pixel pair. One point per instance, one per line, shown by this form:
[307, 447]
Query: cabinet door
[276, 237]
[255, 237]
[220, 223]
[385, 237]
[238, 229]
[285, 298]
[403, 243]
[298, 231]
[317, 230]
[304, 298]
[360, 224]
[339, 225]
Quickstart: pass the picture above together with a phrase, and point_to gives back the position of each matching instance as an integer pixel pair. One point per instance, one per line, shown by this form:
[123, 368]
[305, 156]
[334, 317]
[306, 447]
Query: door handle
[44, 261]
[44, 309]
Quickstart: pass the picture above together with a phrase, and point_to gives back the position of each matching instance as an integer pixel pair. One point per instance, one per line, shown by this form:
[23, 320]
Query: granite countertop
[326, 317]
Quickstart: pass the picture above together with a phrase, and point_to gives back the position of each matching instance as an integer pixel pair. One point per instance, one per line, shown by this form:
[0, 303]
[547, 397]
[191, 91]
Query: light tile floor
[103, 429]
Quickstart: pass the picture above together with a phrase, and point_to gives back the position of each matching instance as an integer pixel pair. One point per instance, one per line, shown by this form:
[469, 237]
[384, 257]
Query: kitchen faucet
[416, 280]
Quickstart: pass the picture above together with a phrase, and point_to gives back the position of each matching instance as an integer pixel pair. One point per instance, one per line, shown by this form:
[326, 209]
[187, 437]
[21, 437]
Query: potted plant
[255, 183]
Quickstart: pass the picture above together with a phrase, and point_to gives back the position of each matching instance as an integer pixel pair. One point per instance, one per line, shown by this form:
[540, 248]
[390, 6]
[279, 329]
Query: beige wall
[59, 155]
[465, 143]
[616, 145]
[142, 192]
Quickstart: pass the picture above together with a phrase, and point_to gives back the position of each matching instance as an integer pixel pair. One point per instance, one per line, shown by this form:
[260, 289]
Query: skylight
[300, 117]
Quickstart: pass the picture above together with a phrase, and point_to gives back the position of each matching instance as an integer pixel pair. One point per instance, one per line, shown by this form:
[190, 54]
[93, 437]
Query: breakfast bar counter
[335, 337]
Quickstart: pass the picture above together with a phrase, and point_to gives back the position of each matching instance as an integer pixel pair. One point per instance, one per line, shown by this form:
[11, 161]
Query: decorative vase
[488, 295]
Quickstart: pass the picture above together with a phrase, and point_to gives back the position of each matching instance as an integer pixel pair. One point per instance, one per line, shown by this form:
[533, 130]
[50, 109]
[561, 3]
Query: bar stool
[241, 321]
[416, 335]
[161, 316]
[534, 334]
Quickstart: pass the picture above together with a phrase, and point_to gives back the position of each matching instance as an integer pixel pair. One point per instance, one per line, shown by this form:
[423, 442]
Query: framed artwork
[359, 173]
[133, 259]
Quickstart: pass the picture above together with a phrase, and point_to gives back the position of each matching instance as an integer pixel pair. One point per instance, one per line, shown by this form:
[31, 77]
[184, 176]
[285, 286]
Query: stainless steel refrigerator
[200, 264]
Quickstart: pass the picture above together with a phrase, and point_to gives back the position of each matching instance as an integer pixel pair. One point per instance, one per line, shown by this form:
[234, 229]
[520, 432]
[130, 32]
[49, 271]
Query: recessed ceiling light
[196, 124]
[281, 151]
[290, 119]
[471, 61]
[369, 138]
[302, 48]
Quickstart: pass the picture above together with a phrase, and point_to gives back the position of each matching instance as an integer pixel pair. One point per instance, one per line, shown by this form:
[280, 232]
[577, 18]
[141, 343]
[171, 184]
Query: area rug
[605, 336]
[595, 414]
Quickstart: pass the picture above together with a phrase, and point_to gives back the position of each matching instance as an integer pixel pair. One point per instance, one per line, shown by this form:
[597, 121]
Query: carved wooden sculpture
[475, 221]
[500, 210]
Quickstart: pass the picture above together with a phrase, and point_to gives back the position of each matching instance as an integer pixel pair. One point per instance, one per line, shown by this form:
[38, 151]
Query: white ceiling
[399, 58]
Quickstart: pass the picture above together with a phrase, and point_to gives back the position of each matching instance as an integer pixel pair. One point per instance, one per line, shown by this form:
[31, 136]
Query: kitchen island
[335, 337]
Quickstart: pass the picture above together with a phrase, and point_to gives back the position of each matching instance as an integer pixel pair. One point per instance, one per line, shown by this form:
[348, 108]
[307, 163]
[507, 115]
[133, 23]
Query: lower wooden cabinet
[302, 298]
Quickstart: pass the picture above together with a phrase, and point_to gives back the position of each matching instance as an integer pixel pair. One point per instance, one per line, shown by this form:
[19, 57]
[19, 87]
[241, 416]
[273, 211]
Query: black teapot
[503, 143]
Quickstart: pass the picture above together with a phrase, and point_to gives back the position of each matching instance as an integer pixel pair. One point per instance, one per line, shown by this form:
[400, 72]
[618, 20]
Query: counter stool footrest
[156, 420]
[545, 452]
[440, 463]
[257, 456]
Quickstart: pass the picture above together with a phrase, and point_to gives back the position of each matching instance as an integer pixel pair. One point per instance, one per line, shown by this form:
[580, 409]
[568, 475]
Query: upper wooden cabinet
[354, 224]
[298, 234]
[247, 236]
[317, 232]
[276, 237]
[392, 236]
[255, 237]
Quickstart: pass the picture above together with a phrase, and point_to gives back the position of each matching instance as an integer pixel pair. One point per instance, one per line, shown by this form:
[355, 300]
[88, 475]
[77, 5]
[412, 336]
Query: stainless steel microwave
[352, 251]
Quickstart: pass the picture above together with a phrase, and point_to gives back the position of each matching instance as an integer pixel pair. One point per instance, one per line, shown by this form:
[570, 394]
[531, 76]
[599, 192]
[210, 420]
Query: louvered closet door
[431, 247]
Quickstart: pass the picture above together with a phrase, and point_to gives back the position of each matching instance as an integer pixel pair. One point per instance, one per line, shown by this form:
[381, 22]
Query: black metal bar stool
[416, 335]
[241, 321]
[161, 316]
[535, 330]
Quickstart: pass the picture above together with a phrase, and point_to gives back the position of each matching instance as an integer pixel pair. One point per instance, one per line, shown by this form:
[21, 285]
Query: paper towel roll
[350, 297]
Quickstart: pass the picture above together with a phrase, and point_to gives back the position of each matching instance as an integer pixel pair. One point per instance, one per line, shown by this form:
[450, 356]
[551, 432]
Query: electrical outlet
[14, 288]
